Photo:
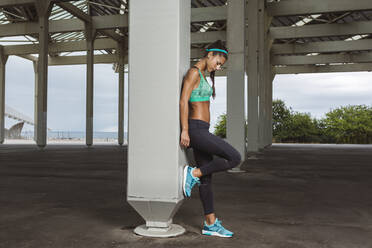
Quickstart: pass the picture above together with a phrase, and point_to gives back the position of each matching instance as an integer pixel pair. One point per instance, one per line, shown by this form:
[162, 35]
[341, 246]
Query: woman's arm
[189, 83]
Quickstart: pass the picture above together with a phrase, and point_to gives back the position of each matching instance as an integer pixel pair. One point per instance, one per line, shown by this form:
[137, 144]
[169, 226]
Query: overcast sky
[312, 93]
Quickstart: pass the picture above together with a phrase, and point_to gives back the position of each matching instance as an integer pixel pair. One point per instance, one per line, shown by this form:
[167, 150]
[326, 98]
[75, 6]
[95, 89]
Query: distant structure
[15, 131]
[16, 115]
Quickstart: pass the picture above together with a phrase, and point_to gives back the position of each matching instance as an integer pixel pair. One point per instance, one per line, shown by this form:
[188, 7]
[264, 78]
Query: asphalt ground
[291, 196]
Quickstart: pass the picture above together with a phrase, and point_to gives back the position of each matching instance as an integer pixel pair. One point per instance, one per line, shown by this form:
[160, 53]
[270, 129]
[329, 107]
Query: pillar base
[253, 157]
[172, 230]
[236, 170]
[41, 147]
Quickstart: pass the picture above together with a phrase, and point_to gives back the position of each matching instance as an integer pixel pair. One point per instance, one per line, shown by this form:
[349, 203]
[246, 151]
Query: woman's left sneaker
[189, 180]
[216, 229]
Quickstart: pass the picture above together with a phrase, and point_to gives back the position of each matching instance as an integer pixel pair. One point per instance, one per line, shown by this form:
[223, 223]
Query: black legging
[205, 145]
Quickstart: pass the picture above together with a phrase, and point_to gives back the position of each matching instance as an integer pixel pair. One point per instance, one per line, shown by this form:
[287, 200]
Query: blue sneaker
[216, 229]
[189, 180]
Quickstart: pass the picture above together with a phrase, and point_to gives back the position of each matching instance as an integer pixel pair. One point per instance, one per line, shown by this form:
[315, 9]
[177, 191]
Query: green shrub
[351, 125]
[220, 127]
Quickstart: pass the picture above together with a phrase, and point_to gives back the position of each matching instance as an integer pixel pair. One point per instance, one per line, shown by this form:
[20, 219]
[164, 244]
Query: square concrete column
[121, 54]
[235, 119]
[3, 59]
[36, 66]
[89, 36]
[265, 71]
[159, 57]
[253, 75]
[269, 71]
[43, 9]
[263, 68]
[270, 107]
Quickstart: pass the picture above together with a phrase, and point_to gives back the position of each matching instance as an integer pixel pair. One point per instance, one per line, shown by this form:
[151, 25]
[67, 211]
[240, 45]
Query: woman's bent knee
[237, 159]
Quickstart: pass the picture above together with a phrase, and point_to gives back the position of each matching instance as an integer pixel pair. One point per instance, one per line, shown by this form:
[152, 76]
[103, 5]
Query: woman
[195, 117]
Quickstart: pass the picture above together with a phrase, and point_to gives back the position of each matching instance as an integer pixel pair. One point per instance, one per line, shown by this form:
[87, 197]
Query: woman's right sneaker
[189, 180]
[216, 229]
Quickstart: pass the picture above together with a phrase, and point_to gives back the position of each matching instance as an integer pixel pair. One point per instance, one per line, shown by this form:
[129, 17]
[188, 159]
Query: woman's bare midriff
[199, 111]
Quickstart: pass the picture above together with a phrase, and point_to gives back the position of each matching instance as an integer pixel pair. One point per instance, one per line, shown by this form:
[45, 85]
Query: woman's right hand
[185, 139]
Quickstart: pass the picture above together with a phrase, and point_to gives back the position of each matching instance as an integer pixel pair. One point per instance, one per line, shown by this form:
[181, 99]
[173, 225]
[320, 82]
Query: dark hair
[217, 44]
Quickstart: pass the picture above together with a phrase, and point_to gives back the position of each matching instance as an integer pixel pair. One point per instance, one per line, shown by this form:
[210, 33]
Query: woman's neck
[202, 64]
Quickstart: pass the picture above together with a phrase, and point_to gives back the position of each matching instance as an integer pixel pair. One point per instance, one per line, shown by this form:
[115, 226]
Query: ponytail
[212, 78]
[215, 45]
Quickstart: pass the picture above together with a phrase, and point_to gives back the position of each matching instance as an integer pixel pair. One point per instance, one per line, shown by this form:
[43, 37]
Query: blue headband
[216, 49]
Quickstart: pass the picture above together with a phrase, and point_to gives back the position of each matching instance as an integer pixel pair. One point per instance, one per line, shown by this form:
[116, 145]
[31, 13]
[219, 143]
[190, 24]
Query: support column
[159, 38]
[36, 66]
[264, 75]
[267, 77]
[235, 119]
[43, 9]
[270, 104]
[253, 75]
[261, 78]
[121, 54]
[89, 36]
[3, 59]
[269, 71]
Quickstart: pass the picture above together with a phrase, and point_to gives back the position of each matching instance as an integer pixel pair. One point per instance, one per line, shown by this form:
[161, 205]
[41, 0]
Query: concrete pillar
[262, 108]
[159, 40]
[3, 59]
[265, 71]
[43, 9]
[235, 119]
[121, 53]
[270, 104]
[35, 64]
[253, 75]
[269, 76]
[89, 36]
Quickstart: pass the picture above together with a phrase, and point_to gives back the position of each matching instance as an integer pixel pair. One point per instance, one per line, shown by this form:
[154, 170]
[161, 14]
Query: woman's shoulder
[193, 71]
[192, 76]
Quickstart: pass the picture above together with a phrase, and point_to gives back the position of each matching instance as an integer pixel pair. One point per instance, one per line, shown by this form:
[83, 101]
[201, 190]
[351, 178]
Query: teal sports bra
[203, 92]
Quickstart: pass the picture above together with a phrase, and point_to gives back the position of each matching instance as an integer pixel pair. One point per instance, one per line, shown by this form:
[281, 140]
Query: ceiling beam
[76, 60]
[321, 30]
[323, 68]
[113, 35]
[59, 47]
[72, 9]
[102, 44]
[207, 37]
[28, 57]
[195, 53]
[100, 22]
[308, 7]
[16, 3]
[364, 57]
[322, 47]
[82, 60]
[9, 3]
[63, 26]
[208, 14]
[277, 49]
